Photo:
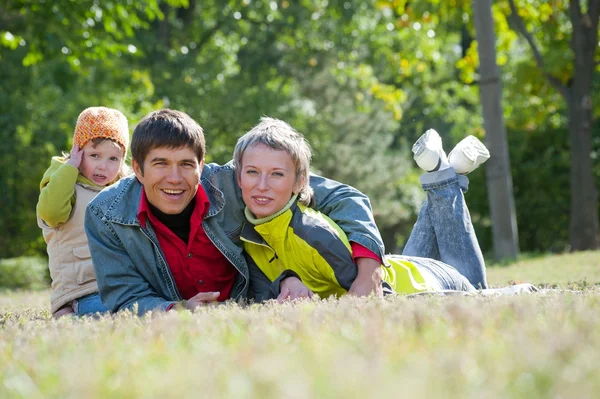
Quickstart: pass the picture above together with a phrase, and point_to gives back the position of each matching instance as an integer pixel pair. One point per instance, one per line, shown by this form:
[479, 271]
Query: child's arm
[57, 190]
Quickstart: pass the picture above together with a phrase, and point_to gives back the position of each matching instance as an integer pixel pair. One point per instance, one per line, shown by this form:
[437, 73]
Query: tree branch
[520, 25]
[208, 35]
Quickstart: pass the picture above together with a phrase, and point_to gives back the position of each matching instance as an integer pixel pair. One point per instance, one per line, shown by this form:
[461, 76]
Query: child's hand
[76, 156]
[65, 310]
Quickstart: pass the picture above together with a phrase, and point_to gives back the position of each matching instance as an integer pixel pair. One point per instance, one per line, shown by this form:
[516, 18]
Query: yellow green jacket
[310, 244]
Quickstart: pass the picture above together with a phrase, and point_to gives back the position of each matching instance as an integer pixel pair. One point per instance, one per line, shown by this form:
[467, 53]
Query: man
[169, 236]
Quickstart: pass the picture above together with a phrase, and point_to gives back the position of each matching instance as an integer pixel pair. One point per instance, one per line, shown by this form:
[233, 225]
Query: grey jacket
[131, 268]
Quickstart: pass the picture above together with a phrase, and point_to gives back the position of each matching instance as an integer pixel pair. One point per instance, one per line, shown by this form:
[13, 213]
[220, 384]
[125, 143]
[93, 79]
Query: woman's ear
[298, 186]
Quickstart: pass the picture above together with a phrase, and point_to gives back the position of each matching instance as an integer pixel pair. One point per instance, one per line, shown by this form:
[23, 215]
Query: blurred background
[362, 79]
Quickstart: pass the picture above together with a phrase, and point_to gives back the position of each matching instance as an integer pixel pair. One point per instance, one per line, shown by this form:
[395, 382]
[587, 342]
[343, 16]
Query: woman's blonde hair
[280, 136]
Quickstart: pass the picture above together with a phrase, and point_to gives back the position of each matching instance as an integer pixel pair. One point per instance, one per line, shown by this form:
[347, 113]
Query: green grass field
[542, 345]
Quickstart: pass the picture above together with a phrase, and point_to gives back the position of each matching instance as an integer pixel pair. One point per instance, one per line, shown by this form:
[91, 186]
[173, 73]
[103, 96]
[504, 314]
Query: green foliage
[362, 80]
[27, 272]
[540, 169]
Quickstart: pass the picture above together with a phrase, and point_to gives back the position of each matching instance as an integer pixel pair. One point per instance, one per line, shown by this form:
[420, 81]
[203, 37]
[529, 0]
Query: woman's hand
[293, 288]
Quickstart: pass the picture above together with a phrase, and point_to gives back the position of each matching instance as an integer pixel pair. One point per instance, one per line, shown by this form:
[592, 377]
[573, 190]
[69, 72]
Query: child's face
[101, 162]
[267, 179]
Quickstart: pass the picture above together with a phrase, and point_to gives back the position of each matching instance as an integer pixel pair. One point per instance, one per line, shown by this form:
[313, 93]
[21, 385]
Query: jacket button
[200, 282]
[190, 255]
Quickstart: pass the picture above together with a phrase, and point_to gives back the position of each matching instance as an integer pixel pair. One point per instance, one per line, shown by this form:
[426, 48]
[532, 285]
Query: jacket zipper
[262, 245]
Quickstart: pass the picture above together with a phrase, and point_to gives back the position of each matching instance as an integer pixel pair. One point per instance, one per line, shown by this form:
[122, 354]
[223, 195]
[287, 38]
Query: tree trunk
[583, 228]
[583, 225]
[499, 178]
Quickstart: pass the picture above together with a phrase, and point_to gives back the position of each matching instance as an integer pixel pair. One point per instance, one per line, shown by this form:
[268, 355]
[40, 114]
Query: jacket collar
[126, 195]
[273, 229]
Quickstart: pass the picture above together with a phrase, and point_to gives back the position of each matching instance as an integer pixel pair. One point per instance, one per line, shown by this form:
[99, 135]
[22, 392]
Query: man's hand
[293, 288]
[369, 278]
[76, 156]
[201, 299]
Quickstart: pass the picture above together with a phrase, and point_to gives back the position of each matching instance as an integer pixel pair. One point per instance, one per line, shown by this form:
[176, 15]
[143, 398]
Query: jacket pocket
[81, 253]
[83, 262]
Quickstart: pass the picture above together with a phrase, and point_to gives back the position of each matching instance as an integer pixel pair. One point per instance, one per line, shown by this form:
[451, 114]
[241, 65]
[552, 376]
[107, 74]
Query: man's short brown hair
[166, 128]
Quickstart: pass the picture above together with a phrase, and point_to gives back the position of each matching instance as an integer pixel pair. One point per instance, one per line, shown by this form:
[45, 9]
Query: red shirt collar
[202, 206]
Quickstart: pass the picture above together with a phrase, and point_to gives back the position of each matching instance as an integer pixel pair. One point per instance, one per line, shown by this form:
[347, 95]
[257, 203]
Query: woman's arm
[350, 209]
[352, 212]
[262, 289]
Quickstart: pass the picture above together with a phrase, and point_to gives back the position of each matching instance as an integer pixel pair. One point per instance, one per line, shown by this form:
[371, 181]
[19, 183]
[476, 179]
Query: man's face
[170, 178]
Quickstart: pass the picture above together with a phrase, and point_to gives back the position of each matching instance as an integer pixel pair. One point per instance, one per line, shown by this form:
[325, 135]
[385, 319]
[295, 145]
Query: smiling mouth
[172, 192]
[99, 177]
[262, 200]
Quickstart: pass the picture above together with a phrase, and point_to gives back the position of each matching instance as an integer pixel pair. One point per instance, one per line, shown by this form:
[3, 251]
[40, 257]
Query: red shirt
[358, 251]
[197, 266]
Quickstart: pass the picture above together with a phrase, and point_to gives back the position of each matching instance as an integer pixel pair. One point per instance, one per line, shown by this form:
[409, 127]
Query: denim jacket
[131, 268]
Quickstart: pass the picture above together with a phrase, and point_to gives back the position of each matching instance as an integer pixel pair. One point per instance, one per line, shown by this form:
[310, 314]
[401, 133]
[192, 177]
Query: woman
[285, 237]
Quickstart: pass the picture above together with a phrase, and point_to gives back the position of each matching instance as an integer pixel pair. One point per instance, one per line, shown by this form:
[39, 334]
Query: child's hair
[166, 128]
[279, 135]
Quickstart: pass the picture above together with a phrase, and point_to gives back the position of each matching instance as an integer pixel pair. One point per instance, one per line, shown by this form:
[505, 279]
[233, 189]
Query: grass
[576, 270]
[544, 345]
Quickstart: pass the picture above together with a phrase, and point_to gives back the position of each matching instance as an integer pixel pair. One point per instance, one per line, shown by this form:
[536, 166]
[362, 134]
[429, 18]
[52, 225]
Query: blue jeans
[88, 305]
[444, 232]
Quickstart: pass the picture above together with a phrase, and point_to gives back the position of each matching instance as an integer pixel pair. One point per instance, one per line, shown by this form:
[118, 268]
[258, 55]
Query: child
[97, 160]
[285, 237]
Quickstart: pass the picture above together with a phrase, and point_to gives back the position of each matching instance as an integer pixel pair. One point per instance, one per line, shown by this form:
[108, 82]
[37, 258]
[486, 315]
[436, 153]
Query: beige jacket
[70, 264]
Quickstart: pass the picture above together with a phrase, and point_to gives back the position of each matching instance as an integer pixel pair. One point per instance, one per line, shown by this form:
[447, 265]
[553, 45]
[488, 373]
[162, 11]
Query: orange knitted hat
[102, 122]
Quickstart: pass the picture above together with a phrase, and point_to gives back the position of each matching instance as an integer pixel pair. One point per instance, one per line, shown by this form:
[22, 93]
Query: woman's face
[267, 179]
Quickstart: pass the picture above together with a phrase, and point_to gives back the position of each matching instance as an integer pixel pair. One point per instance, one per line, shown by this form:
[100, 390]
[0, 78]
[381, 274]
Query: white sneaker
[428, 152]
[468, 154]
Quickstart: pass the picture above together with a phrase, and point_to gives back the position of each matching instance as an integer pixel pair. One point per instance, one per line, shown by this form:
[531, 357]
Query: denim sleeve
[120, 284]
[350, 209]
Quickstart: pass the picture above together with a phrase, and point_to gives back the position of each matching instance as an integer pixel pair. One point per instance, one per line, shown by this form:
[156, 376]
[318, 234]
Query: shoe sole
[420, 146]
[474, 150]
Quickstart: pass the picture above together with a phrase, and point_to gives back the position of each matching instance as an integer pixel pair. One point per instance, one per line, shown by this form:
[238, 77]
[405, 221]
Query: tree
[576, 90]
[54, 61]
[499, 178]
